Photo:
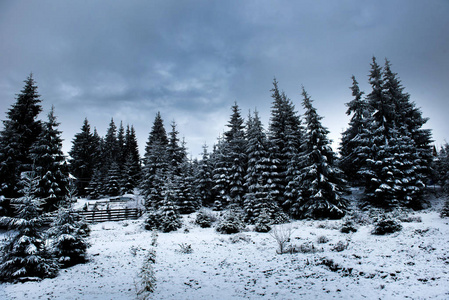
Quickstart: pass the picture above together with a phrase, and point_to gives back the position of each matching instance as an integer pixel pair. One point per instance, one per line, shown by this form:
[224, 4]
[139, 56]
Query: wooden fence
[96, 216]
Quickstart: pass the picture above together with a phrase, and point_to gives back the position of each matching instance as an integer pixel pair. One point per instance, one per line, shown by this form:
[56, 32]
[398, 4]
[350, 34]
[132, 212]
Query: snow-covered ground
[412, 263]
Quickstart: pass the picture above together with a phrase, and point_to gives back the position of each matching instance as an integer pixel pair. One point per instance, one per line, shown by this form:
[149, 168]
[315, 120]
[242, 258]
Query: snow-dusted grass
[412, 263]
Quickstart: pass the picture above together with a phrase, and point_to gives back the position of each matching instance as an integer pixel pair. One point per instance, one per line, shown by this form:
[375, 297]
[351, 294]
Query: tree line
[286, 169]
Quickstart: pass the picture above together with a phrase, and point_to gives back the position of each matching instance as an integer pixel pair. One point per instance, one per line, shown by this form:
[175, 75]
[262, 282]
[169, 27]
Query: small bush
[306, 247]
[410, 219]
[205, 218]
[322, 239]
[230, 223]
[240, 238]
[386, 226]
[445, 211]
[185, 248]
[348, 227]
[340, 246]
[163, 221]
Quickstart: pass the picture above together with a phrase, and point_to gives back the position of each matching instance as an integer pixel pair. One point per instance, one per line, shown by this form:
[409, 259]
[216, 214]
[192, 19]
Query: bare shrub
[282, 234]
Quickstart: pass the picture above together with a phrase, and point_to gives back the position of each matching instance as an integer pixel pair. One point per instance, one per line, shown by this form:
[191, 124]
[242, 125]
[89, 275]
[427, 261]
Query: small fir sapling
[230, 223]
[263, 222]
[147, 277]
[386, 226]
[445, 210]
[67, 233]
[205, 218]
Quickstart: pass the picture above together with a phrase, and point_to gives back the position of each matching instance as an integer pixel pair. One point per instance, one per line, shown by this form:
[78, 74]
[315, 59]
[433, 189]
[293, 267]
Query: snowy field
[410, 264]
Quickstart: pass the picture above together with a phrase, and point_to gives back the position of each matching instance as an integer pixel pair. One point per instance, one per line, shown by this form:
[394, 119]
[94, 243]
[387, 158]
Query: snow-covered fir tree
[112, 183]
[395, 166]
[20, 130]
[284, 134]
[67, 234]
[186, 198]
[131, 168]
[203, 179]
[155, 164]
[49, 164]
[84, 157]
[261, 169]
[441, 166]
[415, 141]
[350, 162]
[176, 151]
[236, 156]
[166, 217]
[24, 254]
[220, 171]
[320, 179]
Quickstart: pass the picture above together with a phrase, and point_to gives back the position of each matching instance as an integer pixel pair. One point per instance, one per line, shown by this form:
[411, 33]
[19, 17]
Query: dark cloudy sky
[191, 60]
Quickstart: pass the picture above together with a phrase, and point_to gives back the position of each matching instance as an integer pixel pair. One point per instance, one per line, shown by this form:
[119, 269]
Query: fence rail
[97, 216]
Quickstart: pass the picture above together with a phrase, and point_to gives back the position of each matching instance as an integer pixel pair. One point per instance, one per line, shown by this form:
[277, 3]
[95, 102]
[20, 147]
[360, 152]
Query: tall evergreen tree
[84, 157]
[284, 136]
[397, 150]
[176, 151]
[320, 180]
[155, 164]
[50, 165]
[20, 131]
[350, 162]
[121, 146]
[220, 171]
[111, 146]
[132, 166]
[203, 181]
[235, 139]
[260, 198]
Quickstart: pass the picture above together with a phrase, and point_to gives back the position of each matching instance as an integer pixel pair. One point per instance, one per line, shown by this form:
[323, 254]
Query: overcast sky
[191, 60]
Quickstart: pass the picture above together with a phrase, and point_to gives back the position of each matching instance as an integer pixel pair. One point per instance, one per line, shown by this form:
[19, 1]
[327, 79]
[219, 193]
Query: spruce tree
[24, 255]
[415, 142]
[284, 137]
[236, 156]
[203, 181]
[320, 179]
[441, 166]
[350, 162]
[50, 165]
[176, 151]
[84, 157]
[219, 175]
[132, 167]
[397, 150]
[155, 164]
[121, 146]
[260, 198]
[20, 131]
[67, 234]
